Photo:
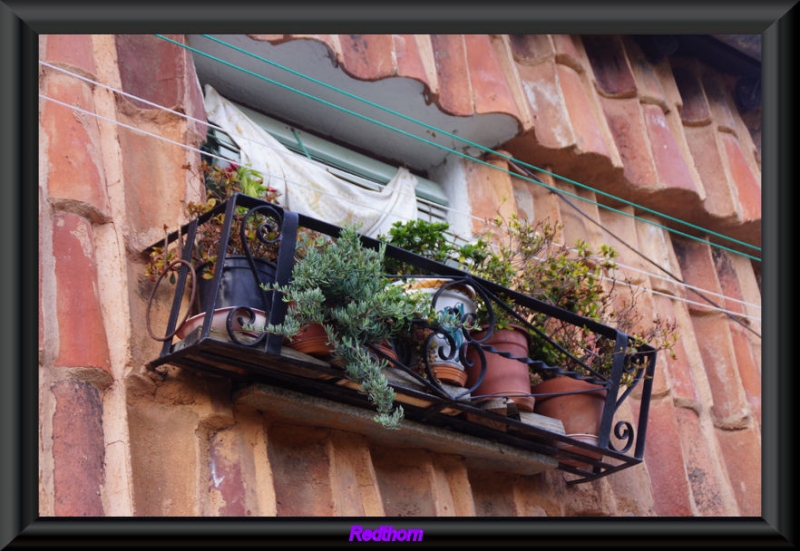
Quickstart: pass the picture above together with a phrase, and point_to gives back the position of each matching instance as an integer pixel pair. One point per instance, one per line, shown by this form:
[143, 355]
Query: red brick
[670, 164]
[613, 75]
[455, 95]
[625, 121]
[153, 169]
[301, 467]
[719, 101]
[665, 460]
[680, 372]
[698, 270]
[78, 450]
[587, 131]
[749, 369]
[706, 485]
[547, 106]
[695, 110]
[152, 69]
[747, 185]
[730, 407]
[76, 50]
[741, 450]
[368, 56]
[230, 464]
[405, 481]
[490, 88]
[82, 338]
[704, 146]
[75, 175]
[409, 59]
[531, 49]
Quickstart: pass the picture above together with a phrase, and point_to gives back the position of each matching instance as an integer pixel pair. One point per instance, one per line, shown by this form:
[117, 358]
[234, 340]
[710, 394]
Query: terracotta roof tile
[409, 59]
[704, 144]
[368, 56]
[747, 186]
[489, 85]
[695, 110]
[645, 76]
[673, 173]
[626, 123]
[584, 120]
[612, 72]
[531, 49]
[455, 93]
[548, 109]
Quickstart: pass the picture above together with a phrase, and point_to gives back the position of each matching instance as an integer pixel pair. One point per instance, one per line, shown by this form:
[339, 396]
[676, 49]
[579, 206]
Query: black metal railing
[218, 338]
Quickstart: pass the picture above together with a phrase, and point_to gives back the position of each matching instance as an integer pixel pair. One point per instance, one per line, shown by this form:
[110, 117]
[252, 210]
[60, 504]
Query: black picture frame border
[22, 22]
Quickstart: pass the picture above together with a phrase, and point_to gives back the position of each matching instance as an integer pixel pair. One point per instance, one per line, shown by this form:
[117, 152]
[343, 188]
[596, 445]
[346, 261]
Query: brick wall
[117, 439]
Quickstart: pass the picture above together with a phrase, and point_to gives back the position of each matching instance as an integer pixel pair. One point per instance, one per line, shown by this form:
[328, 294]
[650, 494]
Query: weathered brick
[625, 121]
[698, 270]
[746, 183]
[490, 191]
[455, 94]
[75, 179]
[673, 173]
[583, 117]
[71, 49]
[612, 72]
[704, 145]
[665, 460]
[164, 459]
[452, 490]
[353, 477]
[405, 481]
[78, 449]
[82, 338]
[490, 88]
[730, 409]
[741, 450]
[707, 493]
[231, 473]
[152, 69]
[301, 463]
[368, 56]
[493, 493]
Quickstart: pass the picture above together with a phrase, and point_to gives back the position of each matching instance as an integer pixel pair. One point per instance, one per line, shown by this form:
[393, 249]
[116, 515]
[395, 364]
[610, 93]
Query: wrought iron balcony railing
[216, 335]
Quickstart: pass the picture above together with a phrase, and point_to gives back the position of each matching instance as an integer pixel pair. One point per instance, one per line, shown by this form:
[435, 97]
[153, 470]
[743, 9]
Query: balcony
[220, 339]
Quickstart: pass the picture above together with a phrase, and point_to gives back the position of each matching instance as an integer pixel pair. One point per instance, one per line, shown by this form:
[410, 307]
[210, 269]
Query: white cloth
[307, 188]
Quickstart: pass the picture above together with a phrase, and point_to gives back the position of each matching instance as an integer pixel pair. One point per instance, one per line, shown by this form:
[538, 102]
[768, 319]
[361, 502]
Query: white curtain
[308, 188]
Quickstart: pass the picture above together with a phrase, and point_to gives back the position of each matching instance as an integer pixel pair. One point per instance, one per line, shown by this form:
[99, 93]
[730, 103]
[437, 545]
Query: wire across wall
[671, 278]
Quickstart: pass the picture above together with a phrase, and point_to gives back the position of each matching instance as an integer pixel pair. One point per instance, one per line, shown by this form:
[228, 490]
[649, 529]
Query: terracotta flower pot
[505, 377]
[580, 413]
[312, 340]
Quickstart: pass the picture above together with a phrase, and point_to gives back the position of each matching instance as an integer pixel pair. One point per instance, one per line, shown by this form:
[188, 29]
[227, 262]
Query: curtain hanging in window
[308, 188]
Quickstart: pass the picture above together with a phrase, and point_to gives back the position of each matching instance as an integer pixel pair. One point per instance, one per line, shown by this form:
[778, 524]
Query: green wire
[443, 132]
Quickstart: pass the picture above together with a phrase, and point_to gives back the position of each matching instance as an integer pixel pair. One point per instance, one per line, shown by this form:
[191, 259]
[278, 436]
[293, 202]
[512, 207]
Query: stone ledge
[293, 406]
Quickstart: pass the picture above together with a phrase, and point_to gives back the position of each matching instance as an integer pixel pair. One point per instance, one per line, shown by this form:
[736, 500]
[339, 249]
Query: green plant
[221, 183]
[581, 281]
[340, 284]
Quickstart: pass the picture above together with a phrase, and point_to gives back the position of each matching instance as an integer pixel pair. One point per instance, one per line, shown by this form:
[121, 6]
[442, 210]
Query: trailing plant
[340, 284]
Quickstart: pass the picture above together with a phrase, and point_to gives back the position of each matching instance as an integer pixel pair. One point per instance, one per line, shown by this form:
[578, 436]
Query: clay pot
[312, 340]
[505, 377]
[580, 413]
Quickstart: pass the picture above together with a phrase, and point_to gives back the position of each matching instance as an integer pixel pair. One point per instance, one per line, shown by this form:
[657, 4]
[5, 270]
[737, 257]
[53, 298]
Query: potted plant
[239, 280]
[572, 365]
[340, 284]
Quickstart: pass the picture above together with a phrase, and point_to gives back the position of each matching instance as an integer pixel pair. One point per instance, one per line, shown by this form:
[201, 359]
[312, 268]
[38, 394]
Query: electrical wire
[224, 159]
[481, 147]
